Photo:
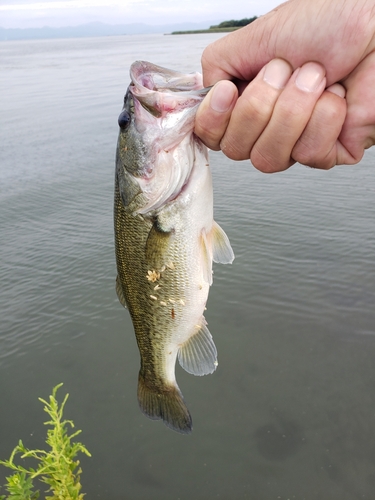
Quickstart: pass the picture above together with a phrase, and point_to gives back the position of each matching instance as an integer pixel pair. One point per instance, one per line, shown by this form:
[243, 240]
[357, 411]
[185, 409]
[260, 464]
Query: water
[290, 412]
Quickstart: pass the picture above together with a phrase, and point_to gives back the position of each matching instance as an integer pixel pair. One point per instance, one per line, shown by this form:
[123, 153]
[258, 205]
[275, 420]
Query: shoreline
[214, 30]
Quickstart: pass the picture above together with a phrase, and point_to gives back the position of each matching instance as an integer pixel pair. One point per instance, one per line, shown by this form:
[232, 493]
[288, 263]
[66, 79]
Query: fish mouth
[165, 105]
[161, 91]
[159, 79]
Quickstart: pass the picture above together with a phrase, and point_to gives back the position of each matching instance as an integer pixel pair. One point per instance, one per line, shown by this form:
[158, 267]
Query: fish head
[156, 142]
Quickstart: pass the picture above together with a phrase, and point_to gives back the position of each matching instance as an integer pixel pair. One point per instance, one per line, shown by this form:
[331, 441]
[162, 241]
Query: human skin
[295, 85]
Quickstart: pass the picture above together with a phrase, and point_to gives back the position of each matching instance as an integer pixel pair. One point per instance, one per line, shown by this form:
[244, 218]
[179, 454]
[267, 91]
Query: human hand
[280, 118]
[276, 120]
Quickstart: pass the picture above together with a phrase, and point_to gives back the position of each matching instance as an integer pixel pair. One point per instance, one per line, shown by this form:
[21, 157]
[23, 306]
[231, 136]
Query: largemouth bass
[165, 235]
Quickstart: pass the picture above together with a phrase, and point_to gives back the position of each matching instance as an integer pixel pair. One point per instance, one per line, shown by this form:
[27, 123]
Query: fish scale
[150, 319]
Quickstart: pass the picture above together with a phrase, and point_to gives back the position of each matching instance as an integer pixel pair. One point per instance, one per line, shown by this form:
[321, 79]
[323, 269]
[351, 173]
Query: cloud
[68, 4]
[65, 4]
[56, 13]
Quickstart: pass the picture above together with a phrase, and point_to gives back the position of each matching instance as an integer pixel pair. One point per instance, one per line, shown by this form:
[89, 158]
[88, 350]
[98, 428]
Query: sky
[57, 13]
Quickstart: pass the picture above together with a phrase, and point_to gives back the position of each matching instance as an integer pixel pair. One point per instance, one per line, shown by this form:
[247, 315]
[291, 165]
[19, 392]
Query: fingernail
[277, 73]
[310, 76]
[222, 96]
[337, 89]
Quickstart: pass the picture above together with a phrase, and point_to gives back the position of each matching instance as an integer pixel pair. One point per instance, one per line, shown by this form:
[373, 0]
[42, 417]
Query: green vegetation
[56, 467]
[225, 26]
[235, 24]
[194, 32]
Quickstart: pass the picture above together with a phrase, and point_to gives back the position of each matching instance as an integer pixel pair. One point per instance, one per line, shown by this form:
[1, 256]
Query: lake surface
[290, 412]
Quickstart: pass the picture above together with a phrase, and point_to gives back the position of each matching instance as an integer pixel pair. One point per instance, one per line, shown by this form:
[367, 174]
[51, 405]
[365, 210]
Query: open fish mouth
[163, 104]
[162, 91]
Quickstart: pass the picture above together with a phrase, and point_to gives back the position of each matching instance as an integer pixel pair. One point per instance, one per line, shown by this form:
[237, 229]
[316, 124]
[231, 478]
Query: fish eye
[124, 119]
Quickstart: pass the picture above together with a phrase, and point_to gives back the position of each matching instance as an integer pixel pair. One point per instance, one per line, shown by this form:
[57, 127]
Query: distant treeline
[223, 27]
[233, 23]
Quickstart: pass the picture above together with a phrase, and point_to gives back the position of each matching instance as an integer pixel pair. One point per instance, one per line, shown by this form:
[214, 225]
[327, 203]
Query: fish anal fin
[157, 245]
[221, 249]
[120, 293]
[198, 355]
[164, 403]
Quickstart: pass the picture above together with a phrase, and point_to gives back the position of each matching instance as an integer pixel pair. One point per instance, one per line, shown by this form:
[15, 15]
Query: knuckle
[211, 142]
[334, 113]
[232, 150]
[255, 108]
[306, 155]
[303, 152]
[291, 109]
[209, 136]
[264, 163]
[330, 112]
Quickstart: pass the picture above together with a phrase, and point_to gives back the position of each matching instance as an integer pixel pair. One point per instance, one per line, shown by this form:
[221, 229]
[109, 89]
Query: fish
[165, 235]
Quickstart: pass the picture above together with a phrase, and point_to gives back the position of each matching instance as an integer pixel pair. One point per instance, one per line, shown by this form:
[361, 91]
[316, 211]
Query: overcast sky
[34, 14]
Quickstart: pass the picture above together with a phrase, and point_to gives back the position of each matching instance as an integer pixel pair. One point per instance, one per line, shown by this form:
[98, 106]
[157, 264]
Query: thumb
[343, 34]
[240, 55]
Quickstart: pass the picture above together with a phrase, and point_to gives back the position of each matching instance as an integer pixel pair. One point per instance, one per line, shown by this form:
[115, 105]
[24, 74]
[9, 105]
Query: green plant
[56, 467]
[238, 23]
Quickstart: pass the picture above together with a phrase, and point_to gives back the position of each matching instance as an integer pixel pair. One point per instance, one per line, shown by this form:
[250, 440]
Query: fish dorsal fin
[120, 293]
[198, 355]
[206, 256]
[221, 249]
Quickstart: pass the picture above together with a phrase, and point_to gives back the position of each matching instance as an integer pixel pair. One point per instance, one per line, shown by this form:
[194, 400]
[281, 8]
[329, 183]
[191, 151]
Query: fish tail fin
[164, 403]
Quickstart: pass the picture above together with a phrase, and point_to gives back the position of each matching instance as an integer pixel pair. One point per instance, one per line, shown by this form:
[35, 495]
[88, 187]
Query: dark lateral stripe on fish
[167, 405]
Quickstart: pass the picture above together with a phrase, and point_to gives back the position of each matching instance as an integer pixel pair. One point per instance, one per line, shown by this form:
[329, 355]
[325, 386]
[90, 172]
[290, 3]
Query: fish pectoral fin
[221, 249]
[120, 293]
[165, 403]
[215, 247]
[198, 355]
[157, 245]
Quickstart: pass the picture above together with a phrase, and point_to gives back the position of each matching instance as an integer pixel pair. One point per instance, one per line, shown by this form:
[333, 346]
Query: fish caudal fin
[198, 355]
[165, 404]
